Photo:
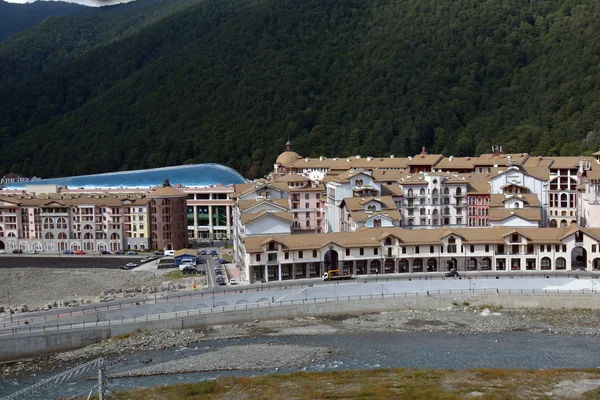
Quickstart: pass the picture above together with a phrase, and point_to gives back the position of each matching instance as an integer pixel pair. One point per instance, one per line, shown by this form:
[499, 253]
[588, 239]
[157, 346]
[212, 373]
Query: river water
[363, 351]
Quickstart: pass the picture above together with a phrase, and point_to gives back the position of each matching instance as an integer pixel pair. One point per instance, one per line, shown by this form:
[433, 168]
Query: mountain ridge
[230, 82]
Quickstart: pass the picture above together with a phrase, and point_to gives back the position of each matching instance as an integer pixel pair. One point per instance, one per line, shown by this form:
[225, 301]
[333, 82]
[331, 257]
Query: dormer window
[273, 246]
[358, 182]
[515, 238]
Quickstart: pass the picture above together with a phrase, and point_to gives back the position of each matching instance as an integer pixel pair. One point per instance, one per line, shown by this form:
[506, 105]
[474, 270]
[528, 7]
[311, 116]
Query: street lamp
[154, 279]
[9, 308]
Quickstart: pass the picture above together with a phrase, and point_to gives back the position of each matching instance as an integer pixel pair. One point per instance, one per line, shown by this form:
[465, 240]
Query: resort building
[398, 250]
[207, 187]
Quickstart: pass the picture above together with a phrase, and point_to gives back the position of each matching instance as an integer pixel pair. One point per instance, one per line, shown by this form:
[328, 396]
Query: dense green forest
[229, 81]
[17, 17]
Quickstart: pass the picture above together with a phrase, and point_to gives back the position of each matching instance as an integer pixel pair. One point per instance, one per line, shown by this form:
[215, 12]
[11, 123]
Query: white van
[169, 253]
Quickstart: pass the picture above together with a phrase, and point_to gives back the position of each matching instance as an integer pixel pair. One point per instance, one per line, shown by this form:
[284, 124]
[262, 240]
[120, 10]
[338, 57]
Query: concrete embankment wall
[24, 345]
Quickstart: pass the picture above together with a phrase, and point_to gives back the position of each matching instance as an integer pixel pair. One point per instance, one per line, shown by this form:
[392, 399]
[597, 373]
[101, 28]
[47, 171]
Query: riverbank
[457, 320]
[384, 384]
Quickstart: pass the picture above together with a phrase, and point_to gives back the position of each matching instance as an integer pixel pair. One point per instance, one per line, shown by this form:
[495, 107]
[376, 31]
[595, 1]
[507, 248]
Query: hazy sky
[93, 3]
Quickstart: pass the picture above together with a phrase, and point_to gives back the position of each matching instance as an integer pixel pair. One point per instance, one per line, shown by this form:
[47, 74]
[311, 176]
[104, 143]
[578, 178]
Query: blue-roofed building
[194, 175]
[208, 188]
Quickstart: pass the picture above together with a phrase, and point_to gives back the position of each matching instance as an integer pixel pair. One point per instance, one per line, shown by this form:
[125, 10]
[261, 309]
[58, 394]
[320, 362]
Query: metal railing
[265, 303]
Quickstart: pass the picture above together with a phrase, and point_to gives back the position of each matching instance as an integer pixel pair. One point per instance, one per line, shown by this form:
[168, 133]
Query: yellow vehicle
[335, 274]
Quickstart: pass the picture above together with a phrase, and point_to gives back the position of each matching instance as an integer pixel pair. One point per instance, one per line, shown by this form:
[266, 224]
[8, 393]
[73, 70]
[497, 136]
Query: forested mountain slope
[230, 81]
[17, 17]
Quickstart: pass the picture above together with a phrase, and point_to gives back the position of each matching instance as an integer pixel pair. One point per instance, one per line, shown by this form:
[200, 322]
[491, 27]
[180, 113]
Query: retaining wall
[23, 345]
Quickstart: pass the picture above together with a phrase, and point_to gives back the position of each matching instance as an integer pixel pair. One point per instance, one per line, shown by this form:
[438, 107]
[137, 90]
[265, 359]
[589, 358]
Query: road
[67, 261]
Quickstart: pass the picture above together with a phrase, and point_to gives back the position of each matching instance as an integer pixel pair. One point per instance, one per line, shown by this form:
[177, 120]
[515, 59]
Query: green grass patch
[380, 384]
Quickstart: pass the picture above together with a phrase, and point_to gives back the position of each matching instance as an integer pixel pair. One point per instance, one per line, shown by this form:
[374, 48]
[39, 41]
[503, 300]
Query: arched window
[62, 236]
[561, 263]
[358, 182]
[88, 236]
[87, 228]
[446, 191]
[48, 223]
[167, 227]
[115, 236]
[458, 191]
[371, 208]
[49, 236]
[422, 192]
[61, 223]
[377, 223]
[410, 193]
[435, 192]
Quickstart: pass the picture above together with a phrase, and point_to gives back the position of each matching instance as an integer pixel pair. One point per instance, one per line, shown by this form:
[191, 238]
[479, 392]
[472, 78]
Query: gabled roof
[500, 159]
[292, 178]
[455, 163]
[358, 203]
[185, 252]
[363, 216]
[528, 214]
[284, 216]
[425, 159]
[248, 205]
[498, 200]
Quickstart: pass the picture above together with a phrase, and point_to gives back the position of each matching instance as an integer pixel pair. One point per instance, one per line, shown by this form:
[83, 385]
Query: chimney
[423, 151]
[321, 158]
[369, 158]
[451, 158]
[357, 156]
[391, 156]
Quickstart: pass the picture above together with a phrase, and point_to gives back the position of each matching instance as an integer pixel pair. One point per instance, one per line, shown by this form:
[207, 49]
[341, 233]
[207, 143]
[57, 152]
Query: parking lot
[65, 261]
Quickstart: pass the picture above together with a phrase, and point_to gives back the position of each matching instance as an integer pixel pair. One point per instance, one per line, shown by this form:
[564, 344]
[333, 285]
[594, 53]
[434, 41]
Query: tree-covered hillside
[17, 17]
[230, 81]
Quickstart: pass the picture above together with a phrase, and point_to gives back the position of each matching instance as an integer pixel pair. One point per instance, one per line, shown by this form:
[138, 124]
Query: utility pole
[101, 382]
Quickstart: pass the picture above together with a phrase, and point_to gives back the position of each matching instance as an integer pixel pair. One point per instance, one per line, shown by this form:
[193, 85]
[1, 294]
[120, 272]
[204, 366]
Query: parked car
[119, 252]
[144, 260]
[128, 266]
[2, 252]
[452, 274]
[105, 252]
[232, 282]
[213, 252]
[124, 267]
[32, 251]
[159, 253]
[17, 251]
[79, 252]
[215, 257]
[203, 252]
[131, 253]
[68, 252]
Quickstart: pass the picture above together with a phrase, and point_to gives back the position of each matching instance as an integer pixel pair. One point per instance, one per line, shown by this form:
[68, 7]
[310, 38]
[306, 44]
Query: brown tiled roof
[292, 178]
[287, 216]
[529, 214]
[68, 200]
[358, 203]
[166, 191]
[425, 159]
[370, 237]
[362, 215]
[244, 205]
[541, 173]
[391, 190]
[478, 187]
[383, 175]
[454, 163]
[500, 159]
[498, 200]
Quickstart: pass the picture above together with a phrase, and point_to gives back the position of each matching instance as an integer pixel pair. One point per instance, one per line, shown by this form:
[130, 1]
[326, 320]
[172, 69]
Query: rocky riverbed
[453, 320]
[34, 289]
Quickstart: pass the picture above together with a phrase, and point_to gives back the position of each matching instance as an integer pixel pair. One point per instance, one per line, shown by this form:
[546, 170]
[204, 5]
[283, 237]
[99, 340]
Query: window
[314, 254]
[307, 196]
[557, 248]
[472, 249]
[564, 248]
[286, 255]
[362, 251]
[431, 249]
[306, 205]
[300, 254]
[417, 250]
[593, 248]
[515, 238]
[375, 251]
[258, 258]
[487, 248]
[403, 250]
[347, 252]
